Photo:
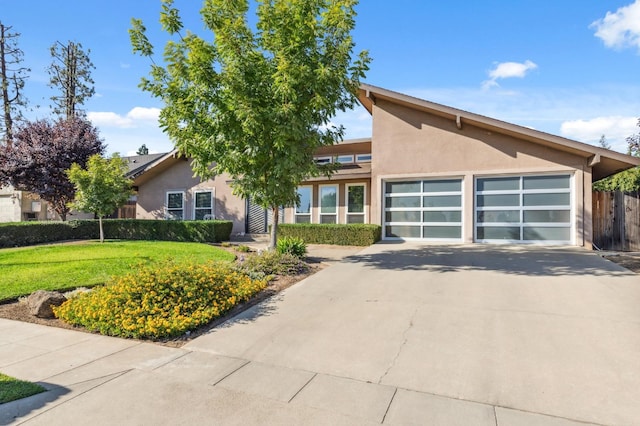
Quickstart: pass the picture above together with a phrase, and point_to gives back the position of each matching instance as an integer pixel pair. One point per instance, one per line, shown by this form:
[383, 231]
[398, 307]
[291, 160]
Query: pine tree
[12, 79]
[70, 74]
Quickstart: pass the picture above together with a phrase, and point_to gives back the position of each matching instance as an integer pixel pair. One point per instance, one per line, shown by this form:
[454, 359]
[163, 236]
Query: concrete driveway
[396, 334]
[554, 331]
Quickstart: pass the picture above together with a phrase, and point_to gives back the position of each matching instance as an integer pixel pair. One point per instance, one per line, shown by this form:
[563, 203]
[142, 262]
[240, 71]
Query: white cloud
[621, 28]
[615, 128]
[131, 119]
[508, 70]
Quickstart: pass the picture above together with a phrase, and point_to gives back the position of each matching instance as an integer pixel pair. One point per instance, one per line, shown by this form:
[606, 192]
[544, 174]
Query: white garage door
[9, 211]
[423, 209]
[524, 209]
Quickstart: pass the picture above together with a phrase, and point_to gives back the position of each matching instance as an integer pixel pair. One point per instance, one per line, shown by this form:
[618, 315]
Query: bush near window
[337, 234]
[292, 245]
[30, 233]
[156, 303]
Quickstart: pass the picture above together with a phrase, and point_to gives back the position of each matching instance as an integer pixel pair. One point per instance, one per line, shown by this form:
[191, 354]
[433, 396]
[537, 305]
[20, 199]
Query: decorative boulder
[41, 301]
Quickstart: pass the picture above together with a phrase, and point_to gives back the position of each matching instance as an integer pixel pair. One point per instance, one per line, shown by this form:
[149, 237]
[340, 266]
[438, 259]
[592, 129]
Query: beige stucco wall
[342, 200]
[410, 143]
[179, 177]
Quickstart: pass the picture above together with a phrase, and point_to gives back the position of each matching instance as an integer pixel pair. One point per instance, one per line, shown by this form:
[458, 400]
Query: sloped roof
[138, 163]
[604, 162]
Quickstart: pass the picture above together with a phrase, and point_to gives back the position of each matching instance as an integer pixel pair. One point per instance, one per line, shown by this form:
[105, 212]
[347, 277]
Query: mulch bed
[631, 261]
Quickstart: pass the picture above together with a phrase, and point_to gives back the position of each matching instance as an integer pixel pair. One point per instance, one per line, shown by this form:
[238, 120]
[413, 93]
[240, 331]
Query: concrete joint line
[395, 391]
[242, 366]
[303, 386]
[404, 342]
[495, 415]
[171, 360]
[115, 376]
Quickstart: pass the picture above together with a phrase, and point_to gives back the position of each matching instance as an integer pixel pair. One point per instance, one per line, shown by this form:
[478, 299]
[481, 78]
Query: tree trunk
[101, 230]
[274, 227]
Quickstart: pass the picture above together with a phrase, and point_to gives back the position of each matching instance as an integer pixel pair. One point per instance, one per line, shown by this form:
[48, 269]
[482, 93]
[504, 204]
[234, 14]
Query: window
[323, 160]
[356, 203]
[328, 204]
[303, 209]
[344, 159]
[175, 205]
[363, 158]
[203, 205]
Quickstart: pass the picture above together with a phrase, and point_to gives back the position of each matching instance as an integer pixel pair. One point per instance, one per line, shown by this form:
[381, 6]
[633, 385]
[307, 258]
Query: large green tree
[102, 187]
[256, 102]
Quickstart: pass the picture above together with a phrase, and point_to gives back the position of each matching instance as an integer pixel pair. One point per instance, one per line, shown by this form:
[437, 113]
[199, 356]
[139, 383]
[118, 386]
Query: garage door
[424, 209]
[524, 209]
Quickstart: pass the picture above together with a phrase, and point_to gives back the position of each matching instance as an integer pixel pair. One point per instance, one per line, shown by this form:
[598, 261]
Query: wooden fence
[616, 220]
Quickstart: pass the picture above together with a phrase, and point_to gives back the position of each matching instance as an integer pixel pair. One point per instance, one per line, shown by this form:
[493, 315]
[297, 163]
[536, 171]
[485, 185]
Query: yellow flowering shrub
[160, 302]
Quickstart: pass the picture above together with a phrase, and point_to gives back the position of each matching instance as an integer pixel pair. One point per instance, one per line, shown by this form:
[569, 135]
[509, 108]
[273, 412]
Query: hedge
[16, 234]
[321, 233]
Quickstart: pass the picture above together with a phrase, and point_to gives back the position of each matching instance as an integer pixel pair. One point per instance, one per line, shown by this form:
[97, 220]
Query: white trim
[346, 202]
[337, 206]
[211, 191]
[166, 204]
[295, 208]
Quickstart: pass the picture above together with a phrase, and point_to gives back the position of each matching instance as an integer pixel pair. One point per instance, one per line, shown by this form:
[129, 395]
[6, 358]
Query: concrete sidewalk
[106, 381]
[403, 334]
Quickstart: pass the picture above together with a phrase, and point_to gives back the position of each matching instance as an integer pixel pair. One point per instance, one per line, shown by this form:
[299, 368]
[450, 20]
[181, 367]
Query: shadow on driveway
[508, 259]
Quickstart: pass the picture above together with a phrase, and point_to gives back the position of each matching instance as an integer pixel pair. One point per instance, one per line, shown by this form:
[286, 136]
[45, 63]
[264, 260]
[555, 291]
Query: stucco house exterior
[429, 172]
[18, 206]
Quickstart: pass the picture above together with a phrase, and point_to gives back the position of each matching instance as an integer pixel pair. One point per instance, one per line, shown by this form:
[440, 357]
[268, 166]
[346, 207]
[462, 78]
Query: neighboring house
[18, 206]
[429, 172]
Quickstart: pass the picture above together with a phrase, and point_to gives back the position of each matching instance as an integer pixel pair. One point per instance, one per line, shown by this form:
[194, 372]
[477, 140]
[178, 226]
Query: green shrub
[321, 233]
[30, 233]
[243, 249]
[160, 302]
[271, 262]
[292, 245]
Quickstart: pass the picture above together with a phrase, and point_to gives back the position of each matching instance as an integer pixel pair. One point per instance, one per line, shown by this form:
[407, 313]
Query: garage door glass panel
[403, 216]
[442, 232]
[442, 216]
[547, 233]
[499, 184]
[493, 216]
[498, 233]
[547, 216]
[403, 202]
[442, 201]
[546, 182]
[562, 199]
[402, 187]
[500, 200]
[442, 186]
[403, 231]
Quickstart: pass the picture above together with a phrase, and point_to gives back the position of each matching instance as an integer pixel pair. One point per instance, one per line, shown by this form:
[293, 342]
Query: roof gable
[604, 162]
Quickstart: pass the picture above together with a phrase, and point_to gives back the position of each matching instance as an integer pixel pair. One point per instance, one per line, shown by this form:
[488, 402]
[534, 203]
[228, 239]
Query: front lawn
[67, 266]
[12, 389]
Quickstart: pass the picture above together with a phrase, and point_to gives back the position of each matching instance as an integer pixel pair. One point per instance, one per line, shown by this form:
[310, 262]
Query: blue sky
[565, 67]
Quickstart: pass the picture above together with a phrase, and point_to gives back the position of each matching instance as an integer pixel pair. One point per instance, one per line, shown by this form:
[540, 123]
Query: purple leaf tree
[41, 153]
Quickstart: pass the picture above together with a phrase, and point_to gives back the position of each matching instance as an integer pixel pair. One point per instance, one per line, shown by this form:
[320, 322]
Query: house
[18, 206]
[429, 172]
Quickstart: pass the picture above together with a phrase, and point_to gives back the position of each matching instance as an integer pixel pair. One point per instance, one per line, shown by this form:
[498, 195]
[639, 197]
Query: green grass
[88, 263]
[12, 389]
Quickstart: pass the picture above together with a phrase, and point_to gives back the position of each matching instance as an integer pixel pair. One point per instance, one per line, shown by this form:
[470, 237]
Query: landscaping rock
[41, 301]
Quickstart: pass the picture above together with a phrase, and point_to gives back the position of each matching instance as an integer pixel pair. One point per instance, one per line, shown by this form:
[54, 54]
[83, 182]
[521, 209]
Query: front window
[328, 204]
[203, 205]
[355, 203]
[175, 205]
[303, 209]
